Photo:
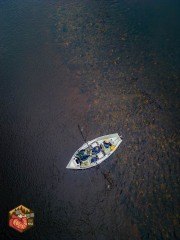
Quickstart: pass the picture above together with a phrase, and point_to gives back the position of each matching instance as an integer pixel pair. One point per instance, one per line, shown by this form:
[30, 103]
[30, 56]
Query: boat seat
[107, 150]
[100, 155]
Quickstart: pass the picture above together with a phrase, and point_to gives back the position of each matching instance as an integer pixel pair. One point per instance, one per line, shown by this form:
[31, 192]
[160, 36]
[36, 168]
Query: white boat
[104, 145]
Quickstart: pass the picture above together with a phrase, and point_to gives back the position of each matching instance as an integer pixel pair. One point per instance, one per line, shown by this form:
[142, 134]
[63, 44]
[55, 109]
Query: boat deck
[104, 151]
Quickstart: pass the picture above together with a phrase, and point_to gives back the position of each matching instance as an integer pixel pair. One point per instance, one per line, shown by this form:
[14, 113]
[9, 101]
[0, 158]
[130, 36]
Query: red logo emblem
[21, 218]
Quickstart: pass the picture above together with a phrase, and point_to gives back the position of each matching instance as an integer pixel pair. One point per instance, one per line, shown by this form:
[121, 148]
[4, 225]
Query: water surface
[110, 67]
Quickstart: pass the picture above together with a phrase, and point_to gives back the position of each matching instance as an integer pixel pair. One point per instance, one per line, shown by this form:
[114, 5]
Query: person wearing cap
[107, 143]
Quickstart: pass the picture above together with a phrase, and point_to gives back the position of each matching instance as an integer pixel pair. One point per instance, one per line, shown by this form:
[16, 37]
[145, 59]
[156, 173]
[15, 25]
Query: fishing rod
[81, 131]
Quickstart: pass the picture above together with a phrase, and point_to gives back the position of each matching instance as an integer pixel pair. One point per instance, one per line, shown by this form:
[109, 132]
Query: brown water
[110, 67]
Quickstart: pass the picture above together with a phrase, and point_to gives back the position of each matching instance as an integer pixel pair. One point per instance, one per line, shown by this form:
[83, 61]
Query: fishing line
[89, 179]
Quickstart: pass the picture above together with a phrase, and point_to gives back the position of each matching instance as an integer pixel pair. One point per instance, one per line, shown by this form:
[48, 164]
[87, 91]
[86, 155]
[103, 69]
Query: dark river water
[109, 66]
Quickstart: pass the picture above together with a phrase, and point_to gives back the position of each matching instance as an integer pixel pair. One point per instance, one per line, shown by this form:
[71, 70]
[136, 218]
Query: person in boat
[96, 150]
[94, 159]
[107, 143]
[83, 155]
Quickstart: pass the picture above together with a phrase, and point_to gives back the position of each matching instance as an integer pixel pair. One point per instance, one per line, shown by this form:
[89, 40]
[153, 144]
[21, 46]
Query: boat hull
[115, 140]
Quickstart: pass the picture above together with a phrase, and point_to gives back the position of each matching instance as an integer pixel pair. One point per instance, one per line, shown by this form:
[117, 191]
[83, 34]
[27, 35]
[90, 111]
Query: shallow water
[110, 67]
